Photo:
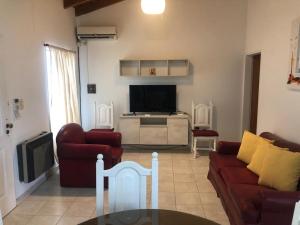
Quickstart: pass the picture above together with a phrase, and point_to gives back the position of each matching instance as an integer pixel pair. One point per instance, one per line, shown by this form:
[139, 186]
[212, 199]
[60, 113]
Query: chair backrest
[296, 217]
[202, 115]
[104, 115]
[127, 185]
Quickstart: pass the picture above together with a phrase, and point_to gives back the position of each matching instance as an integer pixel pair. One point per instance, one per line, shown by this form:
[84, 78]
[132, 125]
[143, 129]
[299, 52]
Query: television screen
[152, 98]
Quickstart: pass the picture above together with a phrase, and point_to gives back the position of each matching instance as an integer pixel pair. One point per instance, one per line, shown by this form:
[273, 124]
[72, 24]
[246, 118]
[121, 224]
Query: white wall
[210, 33]
[24, 26]
[269, 31]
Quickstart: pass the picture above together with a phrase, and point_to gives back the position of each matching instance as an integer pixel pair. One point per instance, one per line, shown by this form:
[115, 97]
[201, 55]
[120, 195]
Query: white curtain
[62, 88]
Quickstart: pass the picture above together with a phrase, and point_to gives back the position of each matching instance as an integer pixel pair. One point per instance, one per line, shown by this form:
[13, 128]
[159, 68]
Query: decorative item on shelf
[153, 71]
[294, 75]
[153, 6]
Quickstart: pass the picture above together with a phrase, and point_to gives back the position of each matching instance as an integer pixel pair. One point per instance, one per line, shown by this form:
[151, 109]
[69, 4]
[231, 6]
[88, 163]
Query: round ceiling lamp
[153, 6]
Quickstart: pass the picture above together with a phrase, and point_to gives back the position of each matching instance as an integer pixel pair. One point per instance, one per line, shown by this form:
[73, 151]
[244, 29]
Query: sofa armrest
[106, 138]
[228, 148]
[278, 207]
[84, 151]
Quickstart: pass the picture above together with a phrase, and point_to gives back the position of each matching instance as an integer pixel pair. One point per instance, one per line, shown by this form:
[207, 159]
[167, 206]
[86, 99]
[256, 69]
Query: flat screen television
[152, 98]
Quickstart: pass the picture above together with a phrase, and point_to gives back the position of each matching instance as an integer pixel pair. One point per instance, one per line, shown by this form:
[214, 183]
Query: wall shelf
[155, 68]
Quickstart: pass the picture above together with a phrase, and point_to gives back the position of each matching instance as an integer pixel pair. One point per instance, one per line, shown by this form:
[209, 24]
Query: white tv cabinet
[154, 129]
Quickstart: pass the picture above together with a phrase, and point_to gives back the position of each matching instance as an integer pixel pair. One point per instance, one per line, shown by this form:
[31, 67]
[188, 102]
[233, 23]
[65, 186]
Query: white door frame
[7, 186]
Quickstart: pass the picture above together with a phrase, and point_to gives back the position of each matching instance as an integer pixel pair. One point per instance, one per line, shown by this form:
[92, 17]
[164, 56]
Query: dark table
[149, 217]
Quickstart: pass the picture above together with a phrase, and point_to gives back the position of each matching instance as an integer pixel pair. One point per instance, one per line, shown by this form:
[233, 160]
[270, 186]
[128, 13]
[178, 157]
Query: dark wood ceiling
[86, 6]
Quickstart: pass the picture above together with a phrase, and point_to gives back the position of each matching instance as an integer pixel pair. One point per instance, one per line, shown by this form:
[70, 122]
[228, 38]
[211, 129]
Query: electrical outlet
[91, 88]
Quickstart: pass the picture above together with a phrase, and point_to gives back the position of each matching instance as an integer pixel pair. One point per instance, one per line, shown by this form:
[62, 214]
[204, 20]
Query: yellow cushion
[258, 157]
[248, 146]
[280, 170]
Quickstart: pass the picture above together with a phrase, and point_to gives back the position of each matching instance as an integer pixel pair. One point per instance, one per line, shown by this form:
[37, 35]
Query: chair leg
[192, 143]
[195, 148]
[215, 145]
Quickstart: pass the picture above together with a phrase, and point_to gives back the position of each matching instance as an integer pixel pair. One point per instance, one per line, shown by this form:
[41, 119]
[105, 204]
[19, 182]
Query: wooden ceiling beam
[92, 5]
[73, 3]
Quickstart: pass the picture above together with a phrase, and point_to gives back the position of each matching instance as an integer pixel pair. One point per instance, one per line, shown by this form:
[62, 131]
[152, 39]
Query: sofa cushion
[238, 175]
[247, 201]
[248, 146]
[258, 157]
[219, 161]
[281, 169]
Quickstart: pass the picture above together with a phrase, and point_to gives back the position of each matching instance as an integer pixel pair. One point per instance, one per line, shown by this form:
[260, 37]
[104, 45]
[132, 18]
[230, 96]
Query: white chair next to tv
[104, 116]
[202, 119]
[296, 217]
[127, 185]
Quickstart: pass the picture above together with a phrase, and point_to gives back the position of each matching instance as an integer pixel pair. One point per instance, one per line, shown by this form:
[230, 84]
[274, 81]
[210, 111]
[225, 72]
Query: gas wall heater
[35, 156]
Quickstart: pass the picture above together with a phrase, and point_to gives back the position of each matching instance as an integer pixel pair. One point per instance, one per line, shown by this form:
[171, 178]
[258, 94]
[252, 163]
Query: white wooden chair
[104, 116]
[202, 119]
[296, 217]
[127, 185]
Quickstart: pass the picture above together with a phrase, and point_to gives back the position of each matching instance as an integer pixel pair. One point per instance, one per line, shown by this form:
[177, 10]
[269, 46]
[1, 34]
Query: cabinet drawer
[153, 135]
[130, 130]
[178, 132]
[178, 122]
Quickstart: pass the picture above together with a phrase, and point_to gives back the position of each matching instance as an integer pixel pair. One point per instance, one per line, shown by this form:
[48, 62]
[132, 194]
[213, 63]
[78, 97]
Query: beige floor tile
[72, 220]
[191, 209]
[215, 213]
[44, 220]
[146, 156]
[188, 199]
[183, 163]
[180, 156]
[29, 207]
[165, 163]
[144, 162]
[201, 177]
[166, 198]
[54, 208]
[186, 187]
[165, 177]
[167, 207]
[15, 219]
[164, 156]
[184, 177]
[209, 198]
[166, 186]
[205, 186]
[81, 209]
[182, 170]
[38, 198]
[88, 199]
[200, 169]
[62, 199]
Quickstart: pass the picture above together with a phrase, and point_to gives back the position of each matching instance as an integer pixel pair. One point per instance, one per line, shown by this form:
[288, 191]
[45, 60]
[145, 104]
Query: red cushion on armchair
[77, 154]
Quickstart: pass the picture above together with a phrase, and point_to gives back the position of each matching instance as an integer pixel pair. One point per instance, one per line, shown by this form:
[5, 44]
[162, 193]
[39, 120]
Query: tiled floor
[183, 186]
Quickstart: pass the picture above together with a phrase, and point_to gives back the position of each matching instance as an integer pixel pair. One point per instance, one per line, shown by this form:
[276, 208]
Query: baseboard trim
[43, 178]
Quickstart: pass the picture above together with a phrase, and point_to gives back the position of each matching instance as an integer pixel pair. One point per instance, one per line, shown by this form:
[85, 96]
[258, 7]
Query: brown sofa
[246, 202]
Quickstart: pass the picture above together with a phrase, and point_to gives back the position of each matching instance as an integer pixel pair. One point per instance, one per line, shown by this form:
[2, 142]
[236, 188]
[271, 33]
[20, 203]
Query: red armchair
[77, 154]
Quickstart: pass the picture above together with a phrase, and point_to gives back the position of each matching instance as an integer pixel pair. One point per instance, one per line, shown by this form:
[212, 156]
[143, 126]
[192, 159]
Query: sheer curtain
[62, 88]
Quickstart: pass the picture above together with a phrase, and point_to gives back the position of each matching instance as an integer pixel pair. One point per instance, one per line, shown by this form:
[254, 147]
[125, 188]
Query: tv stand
[150, 129]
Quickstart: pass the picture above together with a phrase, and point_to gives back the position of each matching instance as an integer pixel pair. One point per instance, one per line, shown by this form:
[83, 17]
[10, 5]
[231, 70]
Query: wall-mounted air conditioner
[87, 33]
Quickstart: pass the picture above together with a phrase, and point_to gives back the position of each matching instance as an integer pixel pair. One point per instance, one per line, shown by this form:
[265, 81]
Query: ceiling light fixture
[153, 6]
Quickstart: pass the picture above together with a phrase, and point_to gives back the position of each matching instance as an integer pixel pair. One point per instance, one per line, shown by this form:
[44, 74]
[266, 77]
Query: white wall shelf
[155, 68]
